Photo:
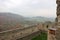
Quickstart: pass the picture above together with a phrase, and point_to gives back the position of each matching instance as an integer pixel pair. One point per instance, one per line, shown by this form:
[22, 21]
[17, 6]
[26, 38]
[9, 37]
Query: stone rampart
[17, 33]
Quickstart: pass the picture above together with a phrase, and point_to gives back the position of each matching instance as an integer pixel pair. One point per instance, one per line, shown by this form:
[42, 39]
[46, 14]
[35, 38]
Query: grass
[43, 36]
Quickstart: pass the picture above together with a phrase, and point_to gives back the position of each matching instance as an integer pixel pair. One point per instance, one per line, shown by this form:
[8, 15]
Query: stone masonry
[17, 33]
[54, 33]
[58, 20]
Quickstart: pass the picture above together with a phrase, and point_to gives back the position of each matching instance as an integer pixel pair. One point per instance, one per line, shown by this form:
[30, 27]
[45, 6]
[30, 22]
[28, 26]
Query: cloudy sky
[46, 8]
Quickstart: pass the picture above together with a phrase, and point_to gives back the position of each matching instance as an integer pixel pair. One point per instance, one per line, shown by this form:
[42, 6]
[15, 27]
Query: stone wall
[51, 34]
[58, 18]
[57, 27]
[18, 33]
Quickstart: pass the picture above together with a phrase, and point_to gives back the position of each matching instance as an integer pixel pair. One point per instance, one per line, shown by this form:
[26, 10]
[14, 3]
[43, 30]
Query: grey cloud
[28, 7]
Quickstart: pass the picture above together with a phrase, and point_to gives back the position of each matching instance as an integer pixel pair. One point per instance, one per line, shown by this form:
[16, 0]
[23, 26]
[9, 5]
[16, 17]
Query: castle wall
[17, 33]
[58, 18]
[57, 27]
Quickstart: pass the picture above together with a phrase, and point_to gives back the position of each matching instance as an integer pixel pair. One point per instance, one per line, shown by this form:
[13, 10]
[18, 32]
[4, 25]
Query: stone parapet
[17, 33]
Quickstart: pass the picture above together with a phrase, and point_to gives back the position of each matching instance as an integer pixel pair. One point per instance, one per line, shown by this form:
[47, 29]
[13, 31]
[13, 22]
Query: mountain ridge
[13, 21]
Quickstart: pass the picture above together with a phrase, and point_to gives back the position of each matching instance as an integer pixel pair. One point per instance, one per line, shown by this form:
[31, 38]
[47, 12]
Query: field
[43, 36]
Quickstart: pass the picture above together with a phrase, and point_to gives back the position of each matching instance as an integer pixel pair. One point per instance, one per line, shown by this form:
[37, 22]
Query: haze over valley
[12, 21]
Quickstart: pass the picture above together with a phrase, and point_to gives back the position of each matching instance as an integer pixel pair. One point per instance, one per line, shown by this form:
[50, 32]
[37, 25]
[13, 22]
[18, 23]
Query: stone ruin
[54, 33]
[58, 21]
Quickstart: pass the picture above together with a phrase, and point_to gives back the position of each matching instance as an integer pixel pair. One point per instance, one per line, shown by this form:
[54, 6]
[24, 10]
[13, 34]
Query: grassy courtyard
[43, 36]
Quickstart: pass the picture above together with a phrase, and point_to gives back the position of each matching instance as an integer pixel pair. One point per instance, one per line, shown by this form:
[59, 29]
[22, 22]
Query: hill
[10, 21]
[40, 19]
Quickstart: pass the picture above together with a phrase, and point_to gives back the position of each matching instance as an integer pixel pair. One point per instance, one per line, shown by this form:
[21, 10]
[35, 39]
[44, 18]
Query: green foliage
[43, 36]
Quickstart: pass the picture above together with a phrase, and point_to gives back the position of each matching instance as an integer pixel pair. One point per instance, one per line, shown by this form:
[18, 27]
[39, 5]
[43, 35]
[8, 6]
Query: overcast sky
[46, 8]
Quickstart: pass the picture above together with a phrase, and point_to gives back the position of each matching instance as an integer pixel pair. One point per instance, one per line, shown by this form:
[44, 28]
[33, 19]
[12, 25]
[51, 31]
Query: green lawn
[43, 36]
